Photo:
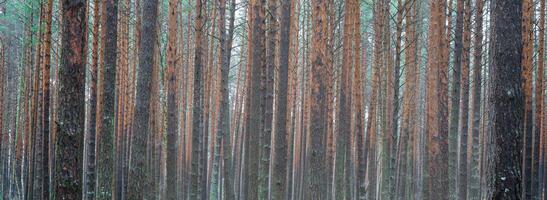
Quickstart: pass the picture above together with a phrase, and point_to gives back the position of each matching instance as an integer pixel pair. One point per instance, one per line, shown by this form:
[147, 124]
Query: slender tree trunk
[139, 174]
[45, 129]
[198, 101]
[344, 116]
[90, 158]
[34, 189]
[537, 173]
[473, 175]
[282, 131]
[172, 111]
[225, 115]
[70, 122]
[527, 68]
[464, 103]
[217, 124]
[436, 104]
[405, 149]
[507, 89]
[455, 99]
[38, 178]
[106, 97]
[268, 73]
[3, 70]
[256, 113]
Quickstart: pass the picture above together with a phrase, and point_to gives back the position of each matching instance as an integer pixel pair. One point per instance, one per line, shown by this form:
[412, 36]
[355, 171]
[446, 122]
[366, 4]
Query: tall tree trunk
[255, 122]
[39, 172]
[3, 82]
[473, 175]
[70, 122]
[393, 115]
[45, 129]
[381, 46]
[139, 175]
[405, 149]
[527, 68]
[436, 104]
[89, 152]
[34, 172]
[344, 116]
[282, 131]
[316, 187]
[464, 103]
[224, 119]
[268, 73]
[172, 109]
[198, 101]
[455, 99]
[538, 122]
[218, 125]
[106, 97]
[507, 89]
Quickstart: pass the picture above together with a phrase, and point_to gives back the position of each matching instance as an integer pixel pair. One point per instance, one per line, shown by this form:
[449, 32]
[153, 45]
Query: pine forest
[273, 100]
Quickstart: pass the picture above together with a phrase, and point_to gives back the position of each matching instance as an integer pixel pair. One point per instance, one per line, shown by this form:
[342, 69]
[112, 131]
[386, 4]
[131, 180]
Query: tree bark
[316, 187]
[282, 131]
[464, 103]
[45, 129]
[197, 108]
[106, 97]
[455, 95]
[344, 116]
[527, 77]
[70, 122]
[436, 104]
[473, 175]
[507, 98]
[172, 109]
[255, 123]
[139, 174]
[90, 138]
[538, 117]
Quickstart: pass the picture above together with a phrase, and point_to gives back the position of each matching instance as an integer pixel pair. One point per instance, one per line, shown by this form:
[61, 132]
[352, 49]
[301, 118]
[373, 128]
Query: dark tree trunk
[506, 98]
[455, 99]
[90, 138]
[197, 108]
[225, 108]
[71, 113]
[255, 123]
[139, 176]
[107, 95]
[279, 171]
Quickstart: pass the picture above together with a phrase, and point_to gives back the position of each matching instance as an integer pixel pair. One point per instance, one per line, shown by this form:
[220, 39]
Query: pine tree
[318, 110]
[538, 116]
[70, 122]
[475, 110]
[527, 68]
[172, 111]
[506, 89]
[464, 103]
[138, 175]
[90, 138]
[437, 104]
[282, 131]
